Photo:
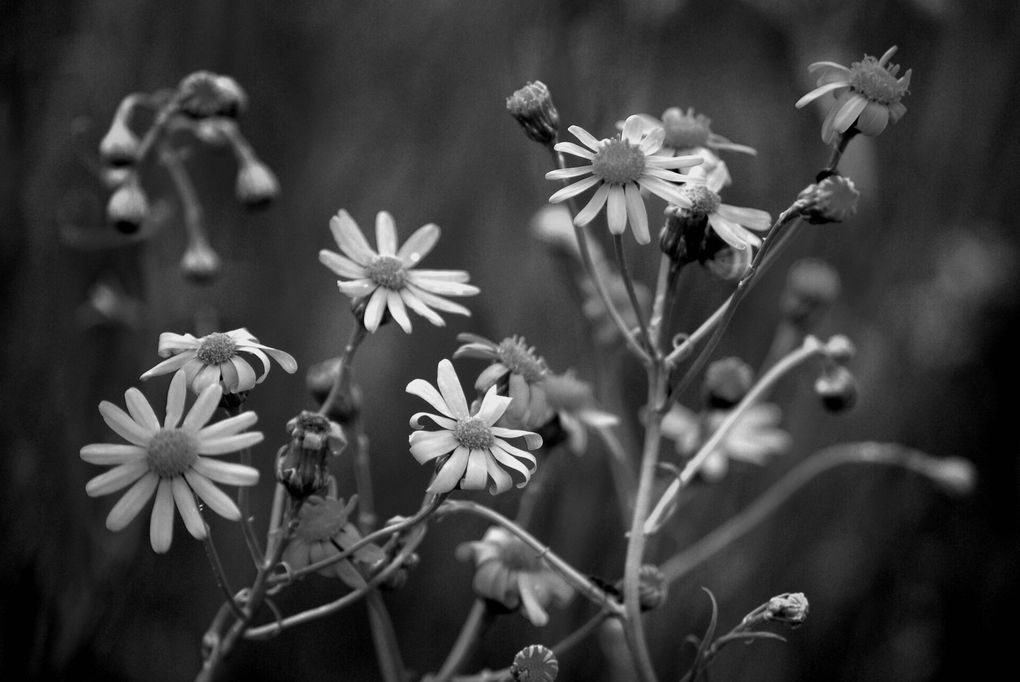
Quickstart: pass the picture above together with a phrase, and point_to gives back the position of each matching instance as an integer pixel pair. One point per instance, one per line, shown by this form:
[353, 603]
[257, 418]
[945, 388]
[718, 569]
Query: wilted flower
[168, 461]
[754, 438]
[256, 184]
[515, 575]
[203, 94]
[572, 402]
[831, 200]
[533, 108]
[535, 663]
[387, 279]
[323, 531]
[620, 168]
[473, 449]
[868, 95]
[686, 130]
[515, 368]
[215, 358]
[128, 206]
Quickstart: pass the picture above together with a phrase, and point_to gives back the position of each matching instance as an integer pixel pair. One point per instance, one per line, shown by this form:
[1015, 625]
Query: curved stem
[342, 381]
[247, 528]
[387, 649]
[475, 624]
[569, 573]
[628, 284]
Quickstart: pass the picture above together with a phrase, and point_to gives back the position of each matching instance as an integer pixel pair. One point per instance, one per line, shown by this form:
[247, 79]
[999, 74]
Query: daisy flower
[687, 131]
[167, 460]
[516, 366]
[732, 223]
[477, 449]
[512, 573]
[868, 95]
[388, 277]
[215, 358]
[753, 439]
[619, 169]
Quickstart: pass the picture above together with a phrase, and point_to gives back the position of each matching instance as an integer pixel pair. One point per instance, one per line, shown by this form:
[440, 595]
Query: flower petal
[493, 407]
[429, 394]
[228, 473]
[818, 92]
[751, 218]
[437, 302]
[849, 112]
[476, 474]
[567, 173]
[449, 386]
[172, 344]
[531, 439]
[117, 478]
[418, 245]
[616, 210]
[451, 472]
[340, 265]
[414, 303]
[171, 364]
[594, 205]
[427, 445]
[395, 304]
[357, 288]
[350, 239]
[217, 500]
[175, 398]
[574, 189]
[440, 285]
[443, 422]
[637, 215]
[161, 523]
[574, 149]
[202, 411]
[228, 427]
[131, 502]
[124, 426]
[185, 500]
[585, 137]
[501, 480]
[227, 444]
[375, 309]
[385, 234]
[633, 127]
[111, 453]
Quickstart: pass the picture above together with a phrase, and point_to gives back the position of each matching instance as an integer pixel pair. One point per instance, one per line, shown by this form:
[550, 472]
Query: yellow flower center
[876, 82]
[171, 452]
[387, 271]
[515, 354]
[216, 349]
[703, 200]
[618, 162]
[684, 131]
[473, 434]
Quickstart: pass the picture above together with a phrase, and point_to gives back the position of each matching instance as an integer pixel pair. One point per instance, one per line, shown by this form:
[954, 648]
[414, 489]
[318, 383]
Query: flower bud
[119, 147]
[830, 200]
[203, 94]
[533, 108]
[200, 263]
[535, 663]
[256, 184]
[812, 286]
[790, 607]
[837, 388]
[301, 465]
[128, 206]
[727, 381]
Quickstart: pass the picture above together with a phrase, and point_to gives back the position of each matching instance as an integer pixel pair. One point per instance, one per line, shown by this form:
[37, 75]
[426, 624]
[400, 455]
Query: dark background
[400, 106]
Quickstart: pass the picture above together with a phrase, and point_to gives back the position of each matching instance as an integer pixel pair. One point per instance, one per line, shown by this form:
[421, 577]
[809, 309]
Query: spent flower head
[323, 531]
[217, 358]
[516, 369]
[510, 572]
[533, 108]
[572, 402]
[171, 460]
[469, 447]
[830, 200]
[868, 95]
[619, 169]
[387, 279]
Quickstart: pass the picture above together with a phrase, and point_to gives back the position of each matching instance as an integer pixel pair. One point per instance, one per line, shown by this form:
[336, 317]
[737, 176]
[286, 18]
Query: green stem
[387, 649]
[622, 473]
[342, 383]
[221, 576]
[477, 621]
[628, 284]
[194, 219]
[665, 286]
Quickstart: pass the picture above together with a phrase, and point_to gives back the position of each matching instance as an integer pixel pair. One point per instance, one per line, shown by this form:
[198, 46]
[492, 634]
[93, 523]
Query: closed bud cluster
[812, 286]
[790, 607]
[832, 199]
[533, 108]
[256, 185]
[301, 464]
[200, 263]
[727, 381]
[204, 94]
[128, 206]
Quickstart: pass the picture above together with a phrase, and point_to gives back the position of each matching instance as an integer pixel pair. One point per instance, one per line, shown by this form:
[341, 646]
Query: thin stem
[387, 649]
[665, 285]
[569, 573]
[221, 576]
[475, 624]
[363, 479]
[194, 218]
[810, 348]
[341, 384]
[622, 473]
[837, 152]
[632, 626]
[628, 284]
[247, 528]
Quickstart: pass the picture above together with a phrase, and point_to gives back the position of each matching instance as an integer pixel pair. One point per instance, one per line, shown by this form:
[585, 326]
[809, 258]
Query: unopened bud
[128, 206]
[203, 94]
[535, 663]
[686, 237]
[727, 381]
[301, 465]
[533, 108]
[811, 288]
[790, 607]
[830, 200]
[200, 263]
[119, 147]
[256, 184]
[837, 388]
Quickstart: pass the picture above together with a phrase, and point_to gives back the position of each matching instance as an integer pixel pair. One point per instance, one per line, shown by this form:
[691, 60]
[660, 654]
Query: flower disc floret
[171, 452]
[703, 200]
[473, 434]
[876, 82]
[521, 359]
[387, 271]
[215, 349]
[618, 162]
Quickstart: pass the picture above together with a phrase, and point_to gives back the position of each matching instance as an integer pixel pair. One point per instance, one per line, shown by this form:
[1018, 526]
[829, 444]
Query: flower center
[473, 434]
[685, 131]
[618, 162]
[703, 200]
[387, 271]
[171, 452]
[876, 82]
[515, 354]
[216, 349]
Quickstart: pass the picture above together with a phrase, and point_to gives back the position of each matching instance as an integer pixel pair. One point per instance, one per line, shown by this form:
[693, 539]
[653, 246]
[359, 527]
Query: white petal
[111, 453]
[418, 245]
[385, 234]
[350, 239]
[226, 472]
[202, 411]
[217, 500]
[161, 523]
[185, 500]
[131, 502]
[117, 478]
[449, 386]
[125, 427]
[227, 444]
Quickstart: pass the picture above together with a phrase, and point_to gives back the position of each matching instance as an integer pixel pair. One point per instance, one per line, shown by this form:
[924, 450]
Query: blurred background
[399, 106]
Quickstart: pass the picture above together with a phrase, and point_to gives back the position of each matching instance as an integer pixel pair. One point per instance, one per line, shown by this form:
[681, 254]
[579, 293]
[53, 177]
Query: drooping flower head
[474, 449]
[701, 202]
[387, 278]
[687, 131]
[171, 460]
[619, 169]
[867, 94]
[516, 370]
[515, 575]
[217, 358]
[572, 403]
[323, 531]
